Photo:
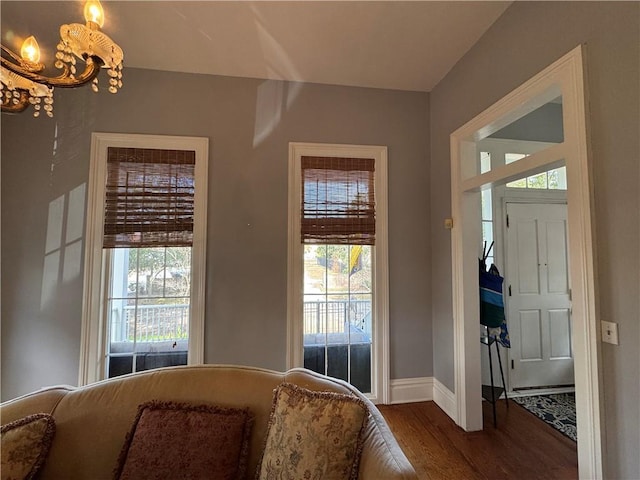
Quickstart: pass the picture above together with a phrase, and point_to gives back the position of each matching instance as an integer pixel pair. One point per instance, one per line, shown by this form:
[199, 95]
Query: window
[144, 266]
[555, 179]
[148, 234]
[337, 263]
[495, 152]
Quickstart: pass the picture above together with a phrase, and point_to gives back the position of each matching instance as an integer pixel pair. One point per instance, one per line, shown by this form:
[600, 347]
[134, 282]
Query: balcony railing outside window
[333, 316]
[150, 323]
[162, 323]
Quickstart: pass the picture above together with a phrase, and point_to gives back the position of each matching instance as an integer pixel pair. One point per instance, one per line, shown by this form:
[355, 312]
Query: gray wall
[249, 123]
[528, 37]
[542, 125]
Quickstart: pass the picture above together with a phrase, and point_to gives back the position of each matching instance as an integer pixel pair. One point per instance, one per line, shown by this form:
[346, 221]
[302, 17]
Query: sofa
[91, 422]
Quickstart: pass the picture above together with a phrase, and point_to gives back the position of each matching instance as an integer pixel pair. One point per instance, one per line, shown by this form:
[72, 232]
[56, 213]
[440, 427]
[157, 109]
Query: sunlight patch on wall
[268, 109]
[272, 94]
[63, 255]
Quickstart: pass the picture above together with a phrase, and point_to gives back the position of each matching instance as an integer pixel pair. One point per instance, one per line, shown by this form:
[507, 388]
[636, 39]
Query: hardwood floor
[522, 447]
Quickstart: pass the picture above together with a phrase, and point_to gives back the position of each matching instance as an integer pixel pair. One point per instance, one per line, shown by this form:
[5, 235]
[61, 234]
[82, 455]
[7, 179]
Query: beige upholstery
[92, 421]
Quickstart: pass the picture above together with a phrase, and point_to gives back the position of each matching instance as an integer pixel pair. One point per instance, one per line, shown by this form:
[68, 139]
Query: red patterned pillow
[182, 441]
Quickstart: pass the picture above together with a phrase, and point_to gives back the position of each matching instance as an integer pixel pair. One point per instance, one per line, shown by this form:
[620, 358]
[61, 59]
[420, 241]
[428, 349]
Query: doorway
[564, 78]
[535, 273]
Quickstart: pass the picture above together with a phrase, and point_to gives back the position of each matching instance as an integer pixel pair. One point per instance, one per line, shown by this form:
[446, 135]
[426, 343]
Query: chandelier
[22, 84]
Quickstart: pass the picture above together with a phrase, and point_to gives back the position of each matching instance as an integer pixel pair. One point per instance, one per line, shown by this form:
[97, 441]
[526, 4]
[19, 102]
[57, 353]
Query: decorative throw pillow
[182, 441]
[25, 444]
[313, 435]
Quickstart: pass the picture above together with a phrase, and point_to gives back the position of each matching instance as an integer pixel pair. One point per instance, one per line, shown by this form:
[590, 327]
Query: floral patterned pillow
[313, 435]
[170, 440]
[24, 446]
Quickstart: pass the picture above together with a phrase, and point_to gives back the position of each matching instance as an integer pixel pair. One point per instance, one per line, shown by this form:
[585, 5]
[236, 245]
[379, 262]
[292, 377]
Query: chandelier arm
[11, 54]
[21, 106]
[64, 80]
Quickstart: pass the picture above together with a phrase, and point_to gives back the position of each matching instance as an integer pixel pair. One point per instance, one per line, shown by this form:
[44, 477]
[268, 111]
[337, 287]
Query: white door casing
[565, 77]
[538, 295]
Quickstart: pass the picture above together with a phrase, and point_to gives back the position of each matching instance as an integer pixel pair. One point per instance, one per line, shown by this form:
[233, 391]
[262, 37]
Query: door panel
[557, 272]
[538, 306]
[560, 333]
[527, 254]
[531, 335]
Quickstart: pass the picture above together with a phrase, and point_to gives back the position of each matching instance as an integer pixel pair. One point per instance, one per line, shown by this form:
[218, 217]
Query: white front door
[538, 295]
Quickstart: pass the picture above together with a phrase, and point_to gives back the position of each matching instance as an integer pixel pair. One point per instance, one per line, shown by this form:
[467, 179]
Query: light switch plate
[609, 332]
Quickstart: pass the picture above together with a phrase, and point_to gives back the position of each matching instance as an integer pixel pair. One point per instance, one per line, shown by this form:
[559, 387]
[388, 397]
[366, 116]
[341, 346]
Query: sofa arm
[382, 457]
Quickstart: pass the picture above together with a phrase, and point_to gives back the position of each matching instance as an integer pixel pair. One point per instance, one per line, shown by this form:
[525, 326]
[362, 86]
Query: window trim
[93, 335]
[380, 346]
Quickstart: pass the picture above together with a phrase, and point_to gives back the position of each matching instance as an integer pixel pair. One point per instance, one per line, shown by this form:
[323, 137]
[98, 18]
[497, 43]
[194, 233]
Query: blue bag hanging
[491, 301]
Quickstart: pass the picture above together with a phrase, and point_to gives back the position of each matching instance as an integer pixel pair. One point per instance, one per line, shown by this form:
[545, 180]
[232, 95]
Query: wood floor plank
[521, 447]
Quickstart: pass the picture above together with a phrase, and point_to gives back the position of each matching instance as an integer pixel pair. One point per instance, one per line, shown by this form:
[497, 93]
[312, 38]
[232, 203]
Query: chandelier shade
[22, 83]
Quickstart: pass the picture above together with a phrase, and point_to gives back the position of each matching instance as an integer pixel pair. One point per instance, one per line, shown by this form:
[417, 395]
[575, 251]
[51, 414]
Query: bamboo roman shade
[149, 198]
[338, 201]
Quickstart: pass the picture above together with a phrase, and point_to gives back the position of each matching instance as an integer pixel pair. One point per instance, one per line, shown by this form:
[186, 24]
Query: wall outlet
[610, 332]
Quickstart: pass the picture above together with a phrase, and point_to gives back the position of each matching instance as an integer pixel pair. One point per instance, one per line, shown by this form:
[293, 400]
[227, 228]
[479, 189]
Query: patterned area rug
[558, 410]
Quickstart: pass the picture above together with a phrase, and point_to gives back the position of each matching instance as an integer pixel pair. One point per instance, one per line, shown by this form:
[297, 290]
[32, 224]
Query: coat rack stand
[491, 393]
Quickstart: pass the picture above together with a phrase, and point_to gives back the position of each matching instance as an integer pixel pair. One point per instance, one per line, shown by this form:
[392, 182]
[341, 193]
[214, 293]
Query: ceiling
[382, 44]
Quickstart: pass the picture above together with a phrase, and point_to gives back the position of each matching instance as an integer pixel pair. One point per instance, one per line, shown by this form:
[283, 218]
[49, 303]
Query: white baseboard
[407, 390]
[423, 389]
[444, 398]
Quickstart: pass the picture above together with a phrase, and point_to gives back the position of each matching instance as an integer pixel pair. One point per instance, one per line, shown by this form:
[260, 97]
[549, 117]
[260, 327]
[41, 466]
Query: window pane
[513, 157]
[360, 269]
[120, 365]
[558, 178]
[178, 272]
[537, 181]
[361, 366]
[485, 162]
[487, 232]
[487, 213]
[148, 308]
[521, 183]
[120, 333]
[337, 263]
[338, 319]
[338, 361]
[315, 273]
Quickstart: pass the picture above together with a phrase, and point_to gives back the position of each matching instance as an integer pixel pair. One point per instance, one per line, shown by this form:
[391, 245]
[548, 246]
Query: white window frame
[380, 345]
[94, 336]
